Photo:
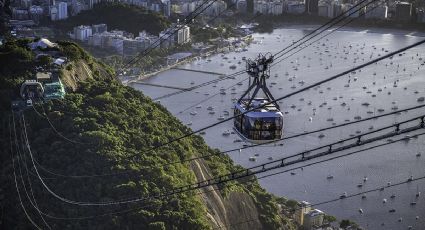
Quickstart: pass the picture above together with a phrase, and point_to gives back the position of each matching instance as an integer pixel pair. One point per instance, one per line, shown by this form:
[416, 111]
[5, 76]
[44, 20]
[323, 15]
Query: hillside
[133, 19]
[104, 127]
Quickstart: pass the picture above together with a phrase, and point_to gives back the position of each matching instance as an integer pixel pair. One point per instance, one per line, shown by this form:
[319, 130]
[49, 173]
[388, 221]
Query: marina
[382, 88]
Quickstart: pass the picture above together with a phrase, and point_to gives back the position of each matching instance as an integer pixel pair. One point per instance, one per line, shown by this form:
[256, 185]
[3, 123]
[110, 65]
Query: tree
[329, 218]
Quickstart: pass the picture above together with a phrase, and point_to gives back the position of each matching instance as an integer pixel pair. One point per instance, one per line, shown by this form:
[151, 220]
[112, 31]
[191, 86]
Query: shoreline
[356, 28]
[130, 79]
[127, 80]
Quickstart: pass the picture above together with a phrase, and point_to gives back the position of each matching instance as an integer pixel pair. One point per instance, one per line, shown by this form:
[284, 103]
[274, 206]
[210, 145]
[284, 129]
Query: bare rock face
[237, 211]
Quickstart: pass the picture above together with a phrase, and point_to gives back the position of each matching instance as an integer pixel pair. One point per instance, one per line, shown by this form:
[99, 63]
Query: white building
[167, 38]
[187, 7]
[274, 7]
[215, 8]
[82, 33]
[54, 13]
[313, 219]
[167, 8]
[183, 35]
[99, 28]
[294, 7]
[323, 10]
[62, 10]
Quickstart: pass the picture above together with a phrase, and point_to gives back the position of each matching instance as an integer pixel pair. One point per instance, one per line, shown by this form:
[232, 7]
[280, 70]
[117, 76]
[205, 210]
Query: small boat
[359, 185]
[418, 193]
[226, 133]
[421, 99]
[329, 177]
[392, 196]
[418, 154]
[364, 179]
[363, 196]
[252, 159]
[202, 133]
[220, 118]
[210, 108]
[232, 67]
[392, 210]
[384, 200]
[321, 135]
[193, 113]
[344, 195]
[211, 112]
[361, 211]
[413, 203]
[410, 179]
[292, 173]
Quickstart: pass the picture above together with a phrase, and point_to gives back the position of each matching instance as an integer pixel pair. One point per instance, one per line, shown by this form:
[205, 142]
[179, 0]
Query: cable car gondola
[263, 122]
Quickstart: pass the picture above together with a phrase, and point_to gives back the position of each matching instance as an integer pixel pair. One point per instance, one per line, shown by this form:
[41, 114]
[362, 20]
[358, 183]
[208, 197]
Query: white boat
[220, 118]
[226, 133]
[193, 113]
[210, 108]
[329, 177]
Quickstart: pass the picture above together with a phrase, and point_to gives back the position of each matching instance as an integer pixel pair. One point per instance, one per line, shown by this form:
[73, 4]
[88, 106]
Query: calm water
[338, 52]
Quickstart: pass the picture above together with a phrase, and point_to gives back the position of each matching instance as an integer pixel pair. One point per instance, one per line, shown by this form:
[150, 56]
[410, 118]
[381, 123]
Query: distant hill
[119, 16]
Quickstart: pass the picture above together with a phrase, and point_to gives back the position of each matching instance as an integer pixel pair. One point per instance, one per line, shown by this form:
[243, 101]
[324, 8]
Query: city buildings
[62, 10]
[124, 43]
[376, 12]
[273, 7]
[307, 217]
[294, 7]
[82, 33]
[183, 35]
[403, 11]
[311, 6]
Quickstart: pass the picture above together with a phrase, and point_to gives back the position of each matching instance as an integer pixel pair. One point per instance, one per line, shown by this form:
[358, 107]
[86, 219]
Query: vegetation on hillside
[132, 19]
[117, 125]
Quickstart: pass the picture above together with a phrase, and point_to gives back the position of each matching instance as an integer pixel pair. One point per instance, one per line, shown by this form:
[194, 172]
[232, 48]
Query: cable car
[264, 121]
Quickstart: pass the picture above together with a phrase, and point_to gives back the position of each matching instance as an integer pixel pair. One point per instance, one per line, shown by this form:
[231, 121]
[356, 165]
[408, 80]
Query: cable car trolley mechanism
[264, 122]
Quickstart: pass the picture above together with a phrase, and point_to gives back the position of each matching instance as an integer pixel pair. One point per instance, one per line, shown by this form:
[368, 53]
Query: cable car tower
[263, 122]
